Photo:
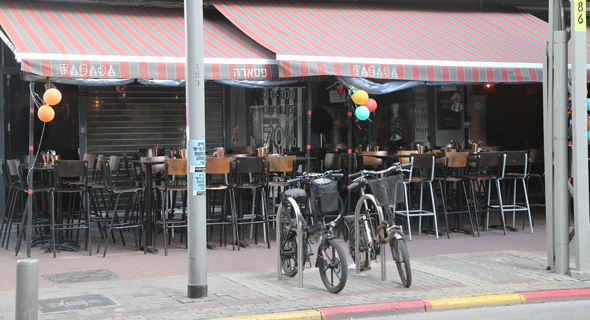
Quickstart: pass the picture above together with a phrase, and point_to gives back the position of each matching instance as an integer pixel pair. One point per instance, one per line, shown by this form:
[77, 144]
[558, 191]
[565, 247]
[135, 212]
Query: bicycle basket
[324, 196]
[388, 190]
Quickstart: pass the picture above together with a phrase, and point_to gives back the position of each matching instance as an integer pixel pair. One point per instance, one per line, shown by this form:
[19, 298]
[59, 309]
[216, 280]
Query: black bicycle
[324, 199]
[386, 191]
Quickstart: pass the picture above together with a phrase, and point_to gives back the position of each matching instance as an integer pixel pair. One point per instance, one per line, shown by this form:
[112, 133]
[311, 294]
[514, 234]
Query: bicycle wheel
[364, 252]
[288, 243]
[332, 265]
[368, 208]
[399, 252]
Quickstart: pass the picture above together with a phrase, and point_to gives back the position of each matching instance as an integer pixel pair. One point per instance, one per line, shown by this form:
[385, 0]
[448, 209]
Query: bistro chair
[218, 172]
[373, 163]
[175, 172]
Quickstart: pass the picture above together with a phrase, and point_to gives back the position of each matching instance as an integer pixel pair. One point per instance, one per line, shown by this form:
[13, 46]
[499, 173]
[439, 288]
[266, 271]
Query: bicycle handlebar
[310, 176]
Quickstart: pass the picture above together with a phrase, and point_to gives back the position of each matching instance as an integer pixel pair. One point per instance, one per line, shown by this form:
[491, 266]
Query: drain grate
[74, 303]
[80, 276]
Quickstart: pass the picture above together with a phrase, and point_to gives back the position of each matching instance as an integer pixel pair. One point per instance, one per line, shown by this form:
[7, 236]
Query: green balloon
[362, 113]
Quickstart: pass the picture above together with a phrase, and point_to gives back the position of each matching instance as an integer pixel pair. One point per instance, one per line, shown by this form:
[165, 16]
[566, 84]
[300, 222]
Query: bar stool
[369, 162]
[421, 172]
[250, 178]
[536, 170]
[218, 172]
[513, 167]
[112, 220]
[175, 172]
[278, 170]
[485, 171]
[65, 169]
[451, 183]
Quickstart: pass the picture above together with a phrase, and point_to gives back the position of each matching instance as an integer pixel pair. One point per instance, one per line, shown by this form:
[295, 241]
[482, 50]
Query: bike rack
[299, 219]
[357, 229]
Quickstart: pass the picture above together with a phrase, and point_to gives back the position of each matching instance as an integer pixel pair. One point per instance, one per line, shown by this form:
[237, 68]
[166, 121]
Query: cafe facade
[455, 73]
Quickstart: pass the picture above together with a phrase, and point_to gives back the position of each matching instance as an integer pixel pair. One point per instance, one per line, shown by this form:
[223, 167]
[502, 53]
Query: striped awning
[427, 42]
[116, 42]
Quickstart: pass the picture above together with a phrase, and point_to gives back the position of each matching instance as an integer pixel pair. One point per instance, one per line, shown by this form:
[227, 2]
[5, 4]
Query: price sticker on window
[580, 16]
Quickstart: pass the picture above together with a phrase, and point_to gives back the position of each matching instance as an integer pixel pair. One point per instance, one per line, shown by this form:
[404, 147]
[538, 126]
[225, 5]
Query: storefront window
[277, 120]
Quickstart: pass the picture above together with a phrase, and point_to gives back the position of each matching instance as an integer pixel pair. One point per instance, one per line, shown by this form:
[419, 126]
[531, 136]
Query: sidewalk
[245, 283]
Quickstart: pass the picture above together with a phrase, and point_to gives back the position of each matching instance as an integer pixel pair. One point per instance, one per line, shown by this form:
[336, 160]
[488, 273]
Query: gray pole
[308, 140]
[548, 133]
[561, 207]
[27, 289]
[32, 108]
[580, 139]
[195, 98]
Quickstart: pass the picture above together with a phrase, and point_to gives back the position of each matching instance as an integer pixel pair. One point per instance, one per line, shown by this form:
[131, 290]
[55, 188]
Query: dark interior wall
[515, 116]
[61, 134]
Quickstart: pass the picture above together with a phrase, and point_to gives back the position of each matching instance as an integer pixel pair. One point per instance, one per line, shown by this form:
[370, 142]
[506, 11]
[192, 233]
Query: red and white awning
[115, 42]
[427, 42]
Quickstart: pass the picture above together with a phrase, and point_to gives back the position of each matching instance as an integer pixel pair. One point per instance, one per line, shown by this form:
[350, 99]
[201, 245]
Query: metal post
[32, 108]
[308, 143]
[561, 207]
[548, 132]
[3, 107]
[195, 93]
[27, 289]
[82, 120]
[580, 139]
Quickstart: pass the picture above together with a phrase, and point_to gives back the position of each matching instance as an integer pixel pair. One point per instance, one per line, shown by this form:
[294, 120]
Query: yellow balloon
[360, 97]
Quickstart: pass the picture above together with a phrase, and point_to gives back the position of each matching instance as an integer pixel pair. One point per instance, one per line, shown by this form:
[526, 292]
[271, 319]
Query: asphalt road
[571, 310]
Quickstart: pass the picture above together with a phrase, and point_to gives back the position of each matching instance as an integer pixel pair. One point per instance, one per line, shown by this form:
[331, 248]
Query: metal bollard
[27, 289]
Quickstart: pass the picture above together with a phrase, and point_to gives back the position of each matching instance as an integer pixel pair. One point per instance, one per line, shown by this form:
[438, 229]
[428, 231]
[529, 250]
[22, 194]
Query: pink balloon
[371, 104]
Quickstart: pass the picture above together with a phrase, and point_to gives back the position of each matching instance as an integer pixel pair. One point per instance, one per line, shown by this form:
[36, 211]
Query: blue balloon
[588, 135]
[588, 104]
[362, 113]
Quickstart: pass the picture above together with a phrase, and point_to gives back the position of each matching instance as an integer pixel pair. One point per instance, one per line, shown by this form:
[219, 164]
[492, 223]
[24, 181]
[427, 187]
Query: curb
[424, 305]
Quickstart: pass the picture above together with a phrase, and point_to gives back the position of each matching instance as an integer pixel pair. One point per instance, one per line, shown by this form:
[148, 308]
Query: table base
[509, 228]
[211, 246]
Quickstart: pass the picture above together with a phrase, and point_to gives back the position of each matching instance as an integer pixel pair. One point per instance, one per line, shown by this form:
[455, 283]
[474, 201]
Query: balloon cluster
[365, 104]
[51, 97]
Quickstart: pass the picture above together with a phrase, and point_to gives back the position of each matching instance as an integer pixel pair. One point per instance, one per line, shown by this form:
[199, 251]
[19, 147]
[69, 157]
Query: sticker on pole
[197, 156]
[580, 15]
[199, 183]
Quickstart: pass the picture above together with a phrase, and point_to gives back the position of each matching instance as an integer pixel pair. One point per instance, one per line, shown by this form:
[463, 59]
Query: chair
[111, 219]
[251, 150]
[370, 162]
[278, 170]
[405, 160]
[536, 170]
[220, 168]
[451, 183]
[332, 161]
[9, 210]
[19, 181]
[175, 172]
[513, 167]
[485, 170]
[250, 178]
[421, 172]
[336, 147]
[67, 169]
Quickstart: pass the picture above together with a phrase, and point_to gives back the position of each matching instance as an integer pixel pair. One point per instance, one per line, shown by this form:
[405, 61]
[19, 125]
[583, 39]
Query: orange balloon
[588, 123]
[46, 113]
[52, 96]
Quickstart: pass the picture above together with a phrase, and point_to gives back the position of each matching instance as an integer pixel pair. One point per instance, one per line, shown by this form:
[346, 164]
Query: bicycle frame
[357, 229]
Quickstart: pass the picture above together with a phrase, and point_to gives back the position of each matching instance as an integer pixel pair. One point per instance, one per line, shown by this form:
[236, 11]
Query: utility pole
[195, 133]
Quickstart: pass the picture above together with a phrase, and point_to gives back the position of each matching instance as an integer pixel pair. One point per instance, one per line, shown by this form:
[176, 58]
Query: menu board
[449, 107]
